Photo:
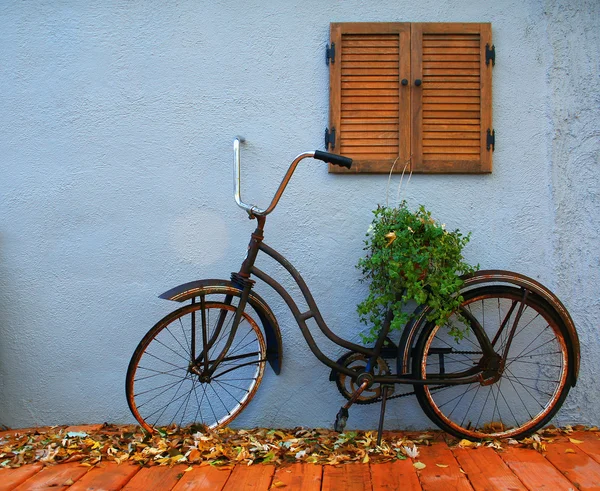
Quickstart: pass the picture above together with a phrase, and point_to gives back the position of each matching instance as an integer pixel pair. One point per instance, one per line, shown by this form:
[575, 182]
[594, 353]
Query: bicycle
[204, 362]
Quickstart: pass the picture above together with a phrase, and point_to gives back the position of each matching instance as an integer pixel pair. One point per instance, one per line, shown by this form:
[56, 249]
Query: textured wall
[115, 151]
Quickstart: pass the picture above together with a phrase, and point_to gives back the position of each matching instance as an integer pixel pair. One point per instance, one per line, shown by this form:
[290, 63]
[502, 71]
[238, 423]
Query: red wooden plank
[203, 478]
[590, 445]
[486, 470]
[157, 478]
[11, 478]
[56, 476]
[307, 477]
[108, 476]
[534, 471]
[255, 477]
[356, 477]
[433, 477]
[575, 464]
[83, 428]
[398, 475]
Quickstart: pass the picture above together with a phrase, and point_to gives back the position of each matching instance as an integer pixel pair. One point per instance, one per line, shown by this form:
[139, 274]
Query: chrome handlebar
[252, 209]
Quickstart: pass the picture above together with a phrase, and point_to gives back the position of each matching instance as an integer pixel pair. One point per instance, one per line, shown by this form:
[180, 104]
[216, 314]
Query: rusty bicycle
[508, 376]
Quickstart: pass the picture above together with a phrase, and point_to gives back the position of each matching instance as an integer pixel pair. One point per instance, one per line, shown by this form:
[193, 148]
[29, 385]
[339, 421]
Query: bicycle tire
[528, 391]
[162, 388]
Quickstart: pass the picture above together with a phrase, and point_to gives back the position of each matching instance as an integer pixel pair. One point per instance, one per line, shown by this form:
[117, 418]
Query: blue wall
[115, 152]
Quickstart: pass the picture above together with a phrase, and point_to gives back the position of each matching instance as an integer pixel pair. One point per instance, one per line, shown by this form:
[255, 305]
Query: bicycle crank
[348, 386]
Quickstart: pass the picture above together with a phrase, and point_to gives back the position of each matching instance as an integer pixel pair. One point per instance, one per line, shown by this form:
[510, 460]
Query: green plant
[411, 257]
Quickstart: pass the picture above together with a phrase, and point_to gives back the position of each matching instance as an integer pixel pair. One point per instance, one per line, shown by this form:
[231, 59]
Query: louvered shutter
[369, 110]
[452, 107]
[438, 124]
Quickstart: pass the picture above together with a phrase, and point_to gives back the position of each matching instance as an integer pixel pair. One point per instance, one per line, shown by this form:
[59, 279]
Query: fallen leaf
[464, 443]
[69, 482]
[278, 484]
[570, 450]
[572, 440]
[419, 465]
[442, 465]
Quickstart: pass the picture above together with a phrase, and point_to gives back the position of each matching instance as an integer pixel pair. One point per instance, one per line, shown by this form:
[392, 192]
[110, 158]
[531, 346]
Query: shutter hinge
[330, 54]
[329, 138]
[490, 54]
[491, 139]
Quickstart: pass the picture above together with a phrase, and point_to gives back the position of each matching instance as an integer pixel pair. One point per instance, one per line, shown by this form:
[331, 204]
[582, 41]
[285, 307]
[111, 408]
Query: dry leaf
[467, 444]
[442, 465]
[419, 465]
[278, 484]
[572, 440]
[570, 450]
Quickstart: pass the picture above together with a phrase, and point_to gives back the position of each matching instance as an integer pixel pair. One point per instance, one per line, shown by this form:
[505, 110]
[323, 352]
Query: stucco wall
[115, 151]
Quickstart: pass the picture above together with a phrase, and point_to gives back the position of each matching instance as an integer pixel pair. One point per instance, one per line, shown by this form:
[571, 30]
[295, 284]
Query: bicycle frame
[243, 281]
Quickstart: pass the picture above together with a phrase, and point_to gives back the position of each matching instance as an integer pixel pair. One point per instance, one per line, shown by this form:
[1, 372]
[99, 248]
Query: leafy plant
[411, 257]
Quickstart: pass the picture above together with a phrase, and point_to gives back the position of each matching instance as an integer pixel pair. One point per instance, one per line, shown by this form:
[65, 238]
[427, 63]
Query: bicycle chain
[412, 393]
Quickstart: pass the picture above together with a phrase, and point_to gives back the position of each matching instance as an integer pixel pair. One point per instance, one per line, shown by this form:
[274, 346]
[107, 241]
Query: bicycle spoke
[164, 391]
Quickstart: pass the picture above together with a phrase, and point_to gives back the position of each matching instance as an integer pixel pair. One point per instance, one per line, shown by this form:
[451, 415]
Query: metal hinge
[490, 54]
[330, 54]
[329, 138]
[491, 139]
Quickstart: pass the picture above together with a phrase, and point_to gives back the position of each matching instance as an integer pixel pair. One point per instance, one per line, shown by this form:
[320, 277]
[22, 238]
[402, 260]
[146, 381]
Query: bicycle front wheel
[167, 382]
[518, 394]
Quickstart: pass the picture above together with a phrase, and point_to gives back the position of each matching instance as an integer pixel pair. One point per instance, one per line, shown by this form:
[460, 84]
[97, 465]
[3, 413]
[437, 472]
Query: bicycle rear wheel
[519, 395]
[166, 383]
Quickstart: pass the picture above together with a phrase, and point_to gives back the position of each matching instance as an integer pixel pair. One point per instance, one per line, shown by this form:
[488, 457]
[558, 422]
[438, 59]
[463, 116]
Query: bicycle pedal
[340, 420]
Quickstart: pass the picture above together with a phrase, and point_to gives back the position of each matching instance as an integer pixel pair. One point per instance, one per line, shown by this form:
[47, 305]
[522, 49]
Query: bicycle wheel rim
[162, 391]
[533, 383]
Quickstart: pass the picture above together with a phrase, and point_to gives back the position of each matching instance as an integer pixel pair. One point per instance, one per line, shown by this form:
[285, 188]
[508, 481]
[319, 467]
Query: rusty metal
[487, 371]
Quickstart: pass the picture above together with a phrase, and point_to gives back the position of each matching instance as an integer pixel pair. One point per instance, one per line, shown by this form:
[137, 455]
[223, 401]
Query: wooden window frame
[438, 126]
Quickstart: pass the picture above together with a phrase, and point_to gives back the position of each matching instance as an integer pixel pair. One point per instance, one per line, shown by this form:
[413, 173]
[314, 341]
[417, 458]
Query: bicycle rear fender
[193, 289]
[497, 276]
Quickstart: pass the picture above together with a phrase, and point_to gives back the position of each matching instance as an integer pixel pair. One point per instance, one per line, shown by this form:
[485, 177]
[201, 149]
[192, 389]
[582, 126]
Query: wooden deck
[569, 463]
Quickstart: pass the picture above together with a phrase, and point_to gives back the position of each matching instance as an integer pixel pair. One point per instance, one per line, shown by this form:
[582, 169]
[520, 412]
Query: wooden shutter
[369, 110]
[452, 108]
[439, 125]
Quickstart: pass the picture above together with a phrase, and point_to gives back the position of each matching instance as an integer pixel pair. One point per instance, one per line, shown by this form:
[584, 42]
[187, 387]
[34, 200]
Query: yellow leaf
[188, 469]
[442, 465]
[570, 450]
[278, 484]
[366, 459]
[572, 440]
[419, 465]
[464, 443]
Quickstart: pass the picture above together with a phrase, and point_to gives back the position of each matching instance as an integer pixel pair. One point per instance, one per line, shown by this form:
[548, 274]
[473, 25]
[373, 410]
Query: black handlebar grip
[332, 158]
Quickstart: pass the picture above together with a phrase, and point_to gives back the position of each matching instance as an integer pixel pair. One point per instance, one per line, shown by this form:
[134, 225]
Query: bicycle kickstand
[386, 389]
[342, 416]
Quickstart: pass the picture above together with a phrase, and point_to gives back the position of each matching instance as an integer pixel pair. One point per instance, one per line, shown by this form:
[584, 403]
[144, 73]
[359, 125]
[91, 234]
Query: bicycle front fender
[268, 320]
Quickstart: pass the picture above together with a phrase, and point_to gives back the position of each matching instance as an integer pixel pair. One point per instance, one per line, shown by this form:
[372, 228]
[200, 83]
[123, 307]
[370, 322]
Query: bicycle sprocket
[358, 362]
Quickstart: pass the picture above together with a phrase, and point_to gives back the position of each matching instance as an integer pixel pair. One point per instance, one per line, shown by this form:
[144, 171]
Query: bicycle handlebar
[254, 210]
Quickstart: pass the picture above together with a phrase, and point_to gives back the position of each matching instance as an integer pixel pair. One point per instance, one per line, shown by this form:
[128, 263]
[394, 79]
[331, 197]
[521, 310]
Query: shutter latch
[330, 54]
[490, 54]
[329, 138]
[491, 139]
